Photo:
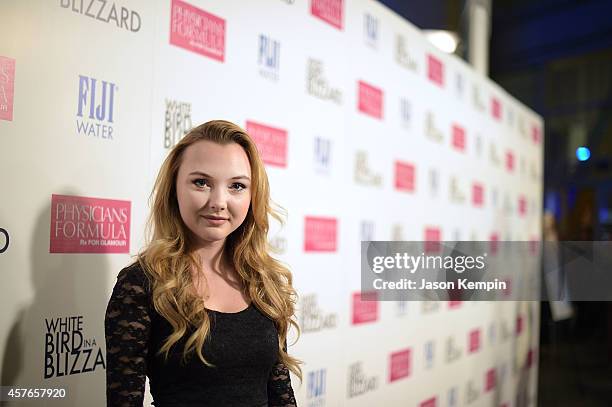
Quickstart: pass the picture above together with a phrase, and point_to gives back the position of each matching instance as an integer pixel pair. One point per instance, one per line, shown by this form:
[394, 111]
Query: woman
[204, 311]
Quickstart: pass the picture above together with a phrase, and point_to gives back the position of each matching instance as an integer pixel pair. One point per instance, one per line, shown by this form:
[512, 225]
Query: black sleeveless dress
[242, 346]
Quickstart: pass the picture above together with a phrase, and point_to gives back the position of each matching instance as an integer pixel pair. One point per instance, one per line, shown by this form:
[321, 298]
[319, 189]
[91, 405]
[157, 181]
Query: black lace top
[242, 346]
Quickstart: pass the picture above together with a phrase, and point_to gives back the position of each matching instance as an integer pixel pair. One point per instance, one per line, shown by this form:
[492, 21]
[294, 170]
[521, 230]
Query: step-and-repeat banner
[367, 131]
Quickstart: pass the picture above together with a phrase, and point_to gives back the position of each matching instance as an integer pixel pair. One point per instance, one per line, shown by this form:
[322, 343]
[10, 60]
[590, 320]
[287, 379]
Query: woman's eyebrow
[208, 176]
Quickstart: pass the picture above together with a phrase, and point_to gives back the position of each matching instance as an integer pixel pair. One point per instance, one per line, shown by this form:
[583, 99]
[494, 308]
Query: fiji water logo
[315, 390]
[7, 88]
[268, 57]
[452, 397]
[322, 155]
[405, 113]
[367, 230]
[370, 30]
[95, 109]
[429, 353]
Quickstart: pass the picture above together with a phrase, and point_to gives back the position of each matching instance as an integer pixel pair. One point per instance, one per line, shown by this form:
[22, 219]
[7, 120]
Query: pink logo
[271, 143]
[522, 206]
[454, 304]
[404, 176]
[435, 70]
[370, 100]
[509, 161]
[530, 357]
[489, 380]
[493, 242]
[458, 137]
[496, 108]
[474, 341]
[320, 234]
[477, 194]
[536, 134]
[89, 225]
[329, 11]
[519, 325]
[399, 365]
[196, 30]
[428, 403]
[432, 240]
[365, 307]
[508, 289]
[7, 88]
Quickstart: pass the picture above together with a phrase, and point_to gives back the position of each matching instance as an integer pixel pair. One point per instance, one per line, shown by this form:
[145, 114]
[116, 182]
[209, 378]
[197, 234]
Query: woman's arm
[127, 323]
[280, 392]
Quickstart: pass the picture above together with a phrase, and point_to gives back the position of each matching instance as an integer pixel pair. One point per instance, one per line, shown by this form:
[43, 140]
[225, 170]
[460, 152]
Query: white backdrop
[337, 94]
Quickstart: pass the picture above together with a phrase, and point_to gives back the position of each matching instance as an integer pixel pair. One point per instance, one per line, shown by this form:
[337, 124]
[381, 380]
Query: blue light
[583, 153]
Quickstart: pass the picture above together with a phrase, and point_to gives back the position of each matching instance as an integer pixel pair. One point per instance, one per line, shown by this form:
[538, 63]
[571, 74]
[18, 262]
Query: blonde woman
[204, 310]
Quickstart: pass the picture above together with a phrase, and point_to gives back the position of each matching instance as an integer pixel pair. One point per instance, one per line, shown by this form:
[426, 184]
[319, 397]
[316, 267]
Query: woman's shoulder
[134, 275]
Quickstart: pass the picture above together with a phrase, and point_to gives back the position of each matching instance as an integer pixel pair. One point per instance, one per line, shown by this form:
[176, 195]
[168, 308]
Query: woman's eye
[200, 182]
[238, 186]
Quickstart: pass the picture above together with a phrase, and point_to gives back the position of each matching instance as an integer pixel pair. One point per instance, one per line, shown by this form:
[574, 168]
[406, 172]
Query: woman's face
[213, 189]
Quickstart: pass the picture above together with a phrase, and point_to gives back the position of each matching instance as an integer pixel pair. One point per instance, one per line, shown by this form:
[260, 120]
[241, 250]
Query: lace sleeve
[127, 323]
[280, 392]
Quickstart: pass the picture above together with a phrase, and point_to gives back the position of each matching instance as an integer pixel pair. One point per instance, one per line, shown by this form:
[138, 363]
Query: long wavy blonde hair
[168, 257]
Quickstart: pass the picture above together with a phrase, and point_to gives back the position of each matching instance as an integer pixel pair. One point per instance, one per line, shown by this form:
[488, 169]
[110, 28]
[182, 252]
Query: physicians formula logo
[477, 195]
[370, 100]
[404, 176]
[359, 382]
[106, 12]
[313, 318]
[330, 11]
[474, 341]
[317, 84]
[509, 161]
[322, 155]
[370, 30]
[89, 225]
[400, 364]
[7, 88]
[496, 110]
[435, 70]
[490, 380]
[177, 122]
[320, 234]
[197, 31]
[271, 143]
[96, 108]
[402, 55]
[430, 402]
[365, 307]
[458, 137]
[522, 205]
[536, 134]
[268, 57]
[316, 388]
[432, 239]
